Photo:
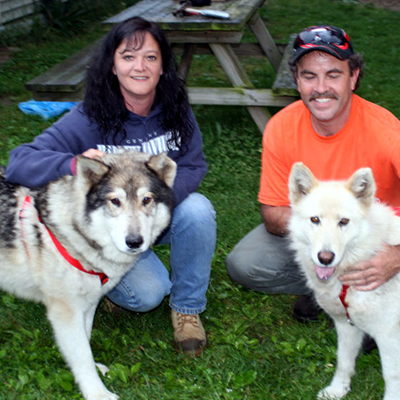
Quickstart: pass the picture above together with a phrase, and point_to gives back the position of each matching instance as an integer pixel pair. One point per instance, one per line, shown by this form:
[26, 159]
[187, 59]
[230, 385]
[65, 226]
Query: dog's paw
[102, 368]
[333, 393]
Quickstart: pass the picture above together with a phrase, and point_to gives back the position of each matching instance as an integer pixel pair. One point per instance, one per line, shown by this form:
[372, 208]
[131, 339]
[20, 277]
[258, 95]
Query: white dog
[335, 225]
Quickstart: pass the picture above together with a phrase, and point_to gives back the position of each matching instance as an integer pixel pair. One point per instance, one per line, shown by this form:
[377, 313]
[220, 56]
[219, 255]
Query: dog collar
[61, 249]
[342, 297]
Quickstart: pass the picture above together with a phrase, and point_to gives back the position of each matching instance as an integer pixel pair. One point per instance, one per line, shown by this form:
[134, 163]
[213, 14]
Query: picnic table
[222, 37]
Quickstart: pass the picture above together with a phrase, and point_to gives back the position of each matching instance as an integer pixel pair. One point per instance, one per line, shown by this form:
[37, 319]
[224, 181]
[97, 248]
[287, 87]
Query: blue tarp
[46, 109]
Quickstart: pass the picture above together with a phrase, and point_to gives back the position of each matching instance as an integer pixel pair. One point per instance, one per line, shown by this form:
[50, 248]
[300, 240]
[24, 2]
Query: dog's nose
[134, 241]
[326, 257]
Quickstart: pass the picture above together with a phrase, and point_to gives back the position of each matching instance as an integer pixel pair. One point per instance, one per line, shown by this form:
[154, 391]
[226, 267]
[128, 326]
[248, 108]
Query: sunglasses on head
[321, 35]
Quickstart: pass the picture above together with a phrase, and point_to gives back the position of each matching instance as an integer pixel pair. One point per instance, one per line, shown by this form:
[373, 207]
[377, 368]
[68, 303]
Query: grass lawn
[256, 350]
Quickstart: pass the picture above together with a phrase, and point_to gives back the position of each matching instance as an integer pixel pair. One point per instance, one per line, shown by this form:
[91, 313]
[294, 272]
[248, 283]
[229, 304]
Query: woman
[135, 100]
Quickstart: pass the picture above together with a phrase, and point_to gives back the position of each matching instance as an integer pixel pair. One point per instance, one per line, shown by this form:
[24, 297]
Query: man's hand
[369, 275]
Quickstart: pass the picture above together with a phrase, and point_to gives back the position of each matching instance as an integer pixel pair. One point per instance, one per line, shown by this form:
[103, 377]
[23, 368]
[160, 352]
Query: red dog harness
[74, 262]
[342, 297]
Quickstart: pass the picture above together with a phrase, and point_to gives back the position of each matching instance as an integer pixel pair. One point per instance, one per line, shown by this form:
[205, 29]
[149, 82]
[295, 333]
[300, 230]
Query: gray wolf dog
[335, 225]
[69, 243]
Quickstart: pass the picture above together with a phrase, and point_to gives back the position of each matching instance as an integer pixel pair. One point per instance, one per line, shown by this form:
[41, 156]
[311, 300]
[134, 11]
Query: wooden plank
[12, 10]
[210, 96]
[186, 61]
[197, 95]
[204, 36]
[284, 84]
[231, 65]
[59, 96]
[266, 41]
[67, 76]
[260, 117]
[237, 97]
[240, 49]
[141, 9]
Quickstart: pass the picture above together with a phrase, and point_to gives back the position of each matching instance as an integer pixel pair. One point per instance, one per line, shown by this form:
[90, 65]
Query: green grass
[256, 350]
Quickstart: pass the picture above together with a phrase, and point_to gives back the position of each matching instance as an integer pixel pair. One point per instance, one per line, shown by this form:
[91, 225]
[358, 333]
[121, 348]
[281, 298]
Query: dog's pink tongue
[324, 273]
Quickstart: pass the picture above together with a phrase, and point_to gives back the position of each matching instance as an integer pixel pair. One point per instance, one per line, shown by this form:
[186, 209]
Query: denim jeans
[192, 236]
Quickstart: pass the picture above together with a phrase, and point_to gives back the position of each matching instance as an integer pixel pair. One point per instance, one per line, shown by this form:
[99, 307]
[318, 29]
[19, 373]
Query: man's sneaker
[189, 334]
[306, 309]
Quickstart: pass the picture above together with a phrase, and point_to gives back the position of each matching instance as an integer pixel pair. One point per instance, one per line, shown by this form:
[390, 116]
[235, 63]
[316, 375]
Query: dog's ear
[90, 170]
[301, 181]
[164, 167]
[362, 185]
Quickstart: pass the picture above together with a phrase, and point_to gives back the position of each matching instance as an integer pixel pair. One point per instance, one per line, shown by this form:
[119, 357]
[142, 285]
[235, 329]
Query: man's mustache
[325, 95]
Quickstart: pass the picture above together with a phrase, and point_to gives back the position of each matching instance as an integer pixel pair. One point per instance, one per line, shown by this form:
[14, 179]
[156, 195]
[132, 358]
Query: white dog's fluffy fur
[335, 225]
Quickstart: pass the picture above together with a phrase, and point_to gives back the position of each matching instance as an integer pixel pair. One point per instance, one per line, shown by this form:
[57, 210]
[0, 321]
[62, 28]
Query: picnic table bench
[65, 81]
[284, 84]
[194, 34]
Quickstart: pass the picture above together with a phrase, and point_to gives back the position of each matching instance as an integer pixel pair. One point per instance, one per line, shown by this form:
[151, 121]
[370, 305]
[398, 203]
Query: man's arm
[276, 219]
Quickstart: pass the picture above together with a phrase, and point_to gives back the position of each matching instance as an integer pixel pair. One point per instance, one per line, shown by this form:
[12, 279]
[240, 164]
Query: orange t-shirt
[371, 138]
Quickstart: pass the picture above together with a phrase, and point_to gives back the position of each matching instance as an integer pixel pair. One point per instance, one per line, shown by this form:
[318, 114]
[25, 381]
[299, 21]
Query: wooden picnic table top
[161, 12]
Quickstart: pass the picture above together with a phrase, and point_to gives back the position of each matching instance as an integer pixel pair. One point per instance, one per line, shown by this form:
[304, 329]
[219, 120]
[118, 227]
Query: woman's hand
[93, 153]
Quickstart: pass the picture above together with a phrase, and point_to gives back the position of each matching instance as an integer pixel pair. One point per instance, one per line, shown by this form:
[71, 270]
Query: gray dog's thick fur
[105, 216]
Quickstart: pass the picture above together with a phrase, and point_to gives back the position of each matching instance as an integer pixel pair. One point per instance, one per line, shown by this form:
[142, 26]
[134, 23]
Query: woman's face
[138, 70]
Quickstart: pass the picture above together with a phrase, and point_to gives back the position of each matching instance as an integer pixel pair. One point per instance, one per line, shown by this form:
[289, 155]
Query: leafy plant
[66, 16]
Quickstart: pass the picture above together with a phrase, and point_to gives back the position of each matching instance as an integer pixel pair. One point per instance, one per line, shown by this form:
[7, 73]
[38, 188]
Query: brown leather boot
[189, 334]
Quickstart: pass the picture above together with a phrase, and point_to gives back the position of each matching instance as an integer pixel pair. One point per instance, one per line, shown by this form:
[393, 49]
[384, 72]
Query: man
[334, 132]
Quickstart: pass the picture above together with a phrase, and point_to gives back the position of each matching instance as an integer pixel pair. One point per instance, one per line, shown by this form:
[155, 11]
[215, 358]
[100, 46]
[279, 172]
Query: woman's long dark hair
[104, 103]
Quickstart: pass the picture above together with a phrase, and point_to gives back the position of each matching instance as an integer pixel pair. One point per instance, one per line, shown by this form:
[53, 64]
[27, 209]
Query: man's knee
[248, 253]
[239, 269]
[264, 276]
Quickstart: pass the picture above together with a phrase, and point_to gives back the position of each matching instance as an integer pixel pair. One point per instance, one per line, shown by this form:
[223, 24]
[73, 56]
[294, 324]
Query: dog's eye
[146, 200]
[344, 221]
[314, 220]
[115, 202]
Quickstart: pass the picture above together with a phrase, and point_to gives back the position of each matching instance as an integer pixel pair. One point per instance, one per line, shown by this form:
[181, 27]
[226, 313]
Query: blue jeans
[192, 236]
